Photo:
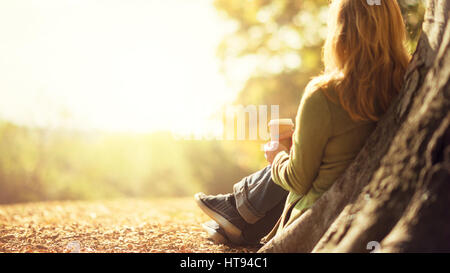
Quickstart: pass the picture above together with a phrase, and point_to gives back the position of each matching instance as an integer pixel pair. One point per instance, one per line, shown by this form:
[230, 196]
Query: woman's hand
[271, 149]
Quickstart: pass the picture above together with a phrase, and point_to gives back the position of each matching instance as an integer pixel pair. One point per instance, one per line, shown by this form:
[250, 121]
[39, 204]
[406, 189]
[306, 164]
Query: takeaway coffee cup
[280, 131]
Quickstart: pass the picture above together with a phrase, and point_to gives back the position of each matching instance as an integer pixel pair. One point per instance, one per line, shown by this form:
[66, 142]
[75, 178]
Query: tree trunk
[395, 195]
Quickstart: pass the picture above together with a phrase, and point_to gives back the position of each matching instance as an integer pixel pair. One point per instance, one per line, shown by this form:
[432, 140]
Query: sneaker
[215, 232]
[222, 209]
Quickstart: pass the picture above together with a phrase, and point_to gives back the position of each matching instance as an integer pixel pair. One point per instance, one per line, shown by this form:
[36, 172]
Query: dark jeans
[260, 202]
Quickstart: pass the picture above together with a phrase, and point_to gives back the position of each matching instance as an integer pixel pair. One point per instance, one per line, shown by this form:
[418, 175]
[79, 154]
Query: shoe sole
[232, 232]
[214, 235]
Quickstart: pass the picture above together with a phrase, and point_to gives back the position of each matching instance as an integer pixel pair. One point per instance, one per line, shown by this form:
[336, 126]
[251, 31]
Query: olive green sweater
[325, 142]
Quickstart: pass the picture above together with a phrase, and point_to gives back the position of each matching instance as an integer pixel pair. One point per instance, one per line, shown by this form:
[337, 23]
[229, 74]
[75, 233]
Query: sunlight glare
[112, 65]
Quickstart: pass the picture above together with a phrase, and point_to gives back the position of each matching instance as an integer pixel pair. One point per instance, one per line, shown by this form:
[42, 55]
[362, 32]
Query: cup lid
[284, 121]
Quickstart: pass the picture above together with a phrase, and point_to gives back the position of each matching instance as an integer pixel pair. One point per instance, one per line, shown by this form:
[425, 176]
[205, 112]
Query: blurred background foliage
[283, 37]
[42, 164]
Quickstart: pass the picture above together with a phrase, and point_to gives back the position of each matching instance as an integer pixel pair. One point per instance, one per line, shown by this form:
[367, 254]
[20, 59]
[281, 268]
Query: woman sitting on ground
[365, 60]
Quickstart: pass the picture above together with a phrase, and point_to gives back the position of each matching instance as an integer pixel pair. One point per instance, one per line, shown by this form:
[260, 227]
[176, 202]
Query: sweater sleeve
[297, 170]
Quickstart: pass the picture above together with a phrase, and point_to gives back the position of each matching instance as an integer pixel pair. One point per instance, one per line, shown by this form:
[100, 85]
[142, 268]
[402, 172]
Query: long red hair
[365, 57]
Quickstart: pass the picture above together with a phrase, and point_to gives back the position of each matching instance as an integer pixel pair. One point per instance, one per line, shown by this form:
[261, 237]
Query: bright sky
[127, 65]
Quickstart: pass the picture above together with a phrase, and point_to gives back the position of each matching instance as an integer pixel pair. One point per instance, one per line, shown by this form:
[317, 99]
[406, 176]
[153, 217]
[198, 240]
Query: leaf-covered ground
[161, 225]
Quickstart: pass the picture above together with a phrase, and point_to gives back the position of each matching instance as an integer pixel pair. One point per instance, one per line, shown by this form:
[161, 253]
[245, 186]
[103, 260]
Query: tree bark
[395, 195]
